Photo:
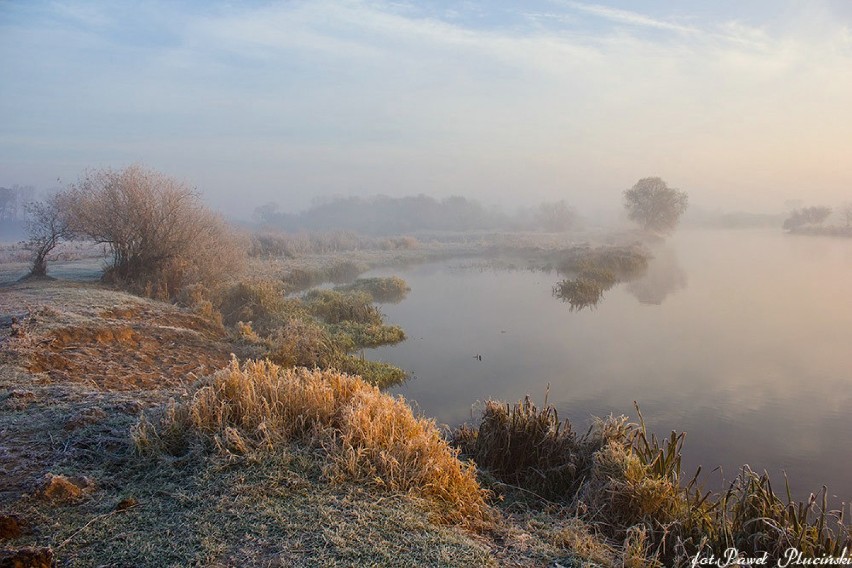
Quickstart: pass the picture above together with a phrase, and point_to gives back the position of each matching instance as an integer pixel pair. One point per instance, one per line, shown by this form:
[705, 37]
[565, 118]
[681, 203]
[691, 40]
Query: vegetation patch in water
[388, 290]
[597, 270]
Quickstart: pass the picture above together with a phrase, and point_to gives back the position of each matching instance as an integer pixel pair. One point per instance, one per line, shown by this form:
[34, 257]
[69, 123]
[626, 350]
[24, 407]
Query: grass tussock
[323, 329]
[335, 307]
[529, 447]
[389, 290]
[629, 486]
[367, 435]
[262, 302]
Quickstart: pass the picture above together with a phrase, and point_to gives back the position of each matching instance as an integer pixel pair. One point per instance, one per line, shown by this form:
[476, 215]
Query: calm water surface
[743, 339]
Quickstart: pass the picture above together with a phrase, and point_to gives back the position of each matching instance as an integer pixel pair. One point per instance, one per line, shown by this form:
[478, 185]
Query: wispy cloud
[329, 96]
[628, 17]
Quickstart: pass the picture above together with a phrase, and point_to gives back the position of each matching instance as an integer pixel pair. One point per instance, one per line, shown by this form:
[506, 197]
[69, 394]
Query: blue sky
[742, 104]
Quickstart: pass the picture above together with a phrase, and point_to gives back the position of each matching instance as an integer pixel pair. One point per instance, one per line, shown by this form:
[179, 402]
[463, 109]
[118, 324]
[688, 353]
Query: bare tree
[655, 205]
[157, 229]
[47, 225]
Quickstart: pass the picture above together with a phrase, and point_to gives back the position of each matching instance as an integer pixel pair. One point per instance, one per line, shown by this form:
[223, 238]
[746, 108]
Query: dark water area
[743, 339]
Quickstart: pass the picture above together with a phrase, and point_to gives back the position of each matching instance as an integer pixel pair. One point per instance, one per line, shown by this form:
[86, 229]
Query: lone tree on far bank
[47, 224]
[655, 205]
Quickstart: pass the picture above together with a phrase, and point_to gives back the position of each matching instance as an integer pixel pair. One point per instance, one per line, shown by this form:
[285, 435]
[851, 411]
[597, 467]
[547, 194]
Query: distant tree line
[384, 215]
[13, 212]
[812, 220]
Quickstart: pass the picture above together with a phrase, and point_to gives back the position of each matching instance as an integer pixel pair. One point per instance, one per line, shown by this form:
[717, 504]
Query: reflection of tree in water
[663, 277]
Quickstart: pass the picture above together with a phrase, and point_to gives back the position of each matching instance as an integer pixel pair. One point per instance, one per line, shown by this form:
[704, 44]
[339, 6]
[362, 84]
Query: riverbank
[134, 438]
[82, 363]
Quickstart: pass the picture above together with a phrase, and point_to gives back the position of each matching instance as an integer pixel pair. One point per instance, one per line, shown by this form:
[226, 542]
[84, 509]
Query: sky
[743, 104]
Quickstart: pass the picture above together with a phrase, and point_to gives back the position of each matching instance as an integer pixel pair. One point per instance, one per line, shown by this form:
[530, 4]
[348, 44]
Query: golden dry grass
[367, 435]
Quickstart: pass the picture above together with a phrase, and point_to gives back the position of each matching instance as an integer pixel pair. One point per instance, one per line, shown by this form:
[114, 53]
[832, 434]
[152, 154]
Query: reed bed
[366, 435]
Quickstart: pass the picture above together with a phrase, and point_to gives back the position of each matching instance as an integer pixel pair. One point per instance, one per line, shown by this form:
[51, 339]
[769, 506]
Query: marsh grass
[338, 272]
[322, 329]
[366, 435]
[629, 485]
[389, 290]
[335, 307]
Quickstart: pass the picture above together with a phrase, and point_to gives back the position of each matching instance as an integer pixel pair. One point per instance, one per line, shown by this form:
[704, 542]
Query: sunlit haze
[745, 105]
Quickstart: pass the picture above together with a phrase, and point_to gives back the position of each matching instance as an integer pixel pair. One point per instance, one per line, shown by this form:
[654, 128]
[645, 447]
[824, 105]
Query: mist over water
[739, 338]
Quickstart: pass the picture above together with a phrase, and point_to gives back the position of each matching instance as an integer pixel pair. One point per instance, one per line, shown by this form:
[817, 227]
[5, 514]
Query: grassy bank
[132, 436]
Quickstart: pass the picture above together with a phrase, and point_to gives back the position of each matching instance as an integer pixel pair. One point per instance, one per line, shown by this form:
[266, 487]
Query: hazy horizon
[742, 106]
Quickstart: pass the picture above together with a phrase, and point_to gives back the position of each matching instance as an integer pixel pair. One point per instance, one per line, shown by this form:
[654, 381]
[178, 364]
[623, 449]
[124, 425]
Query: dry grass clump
[335, 307]
[303, 343]
[321, 330]
[367, 435]
[629, 486]
[262, 302]
[385, 290]
[531, 448]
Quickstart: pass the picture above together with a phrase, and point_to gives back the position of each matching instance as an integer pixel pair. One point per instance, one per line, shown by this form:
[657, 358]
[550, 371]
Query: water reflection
[664, 277]
[596, 271]
[750, 375]
[650, 285]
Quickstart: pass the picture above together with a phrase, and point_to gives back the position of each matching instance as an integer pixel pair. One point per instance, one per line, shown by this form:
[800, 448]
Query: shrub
[160, 235]
[366, 435]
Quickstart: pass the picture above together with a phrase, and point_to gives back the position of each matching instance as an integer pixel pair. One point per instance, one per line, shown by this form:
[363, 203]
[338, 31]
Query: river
[743, 339]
